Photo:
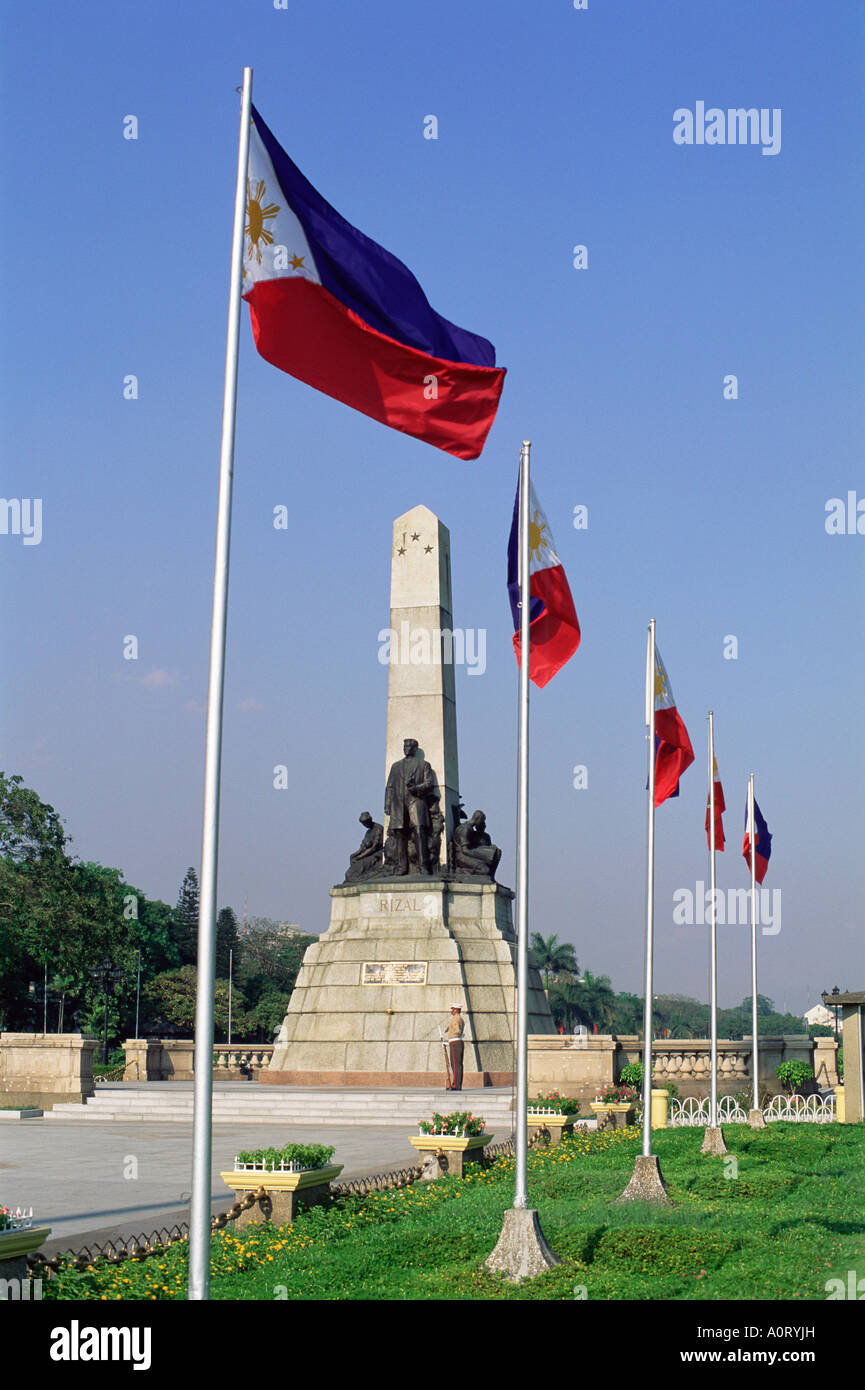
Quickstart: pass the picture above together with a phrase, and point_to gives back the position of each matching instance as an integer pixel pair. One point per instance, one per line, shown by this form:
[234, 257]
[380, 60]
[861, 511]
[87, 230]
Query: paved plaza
[94, 1180]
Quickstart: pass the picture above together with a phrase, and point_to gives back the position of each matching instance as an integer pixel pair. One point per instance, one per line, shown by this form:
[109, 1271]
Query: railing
[684, 1062]
[243, 1060]
[17, 1220]
[816, 1109]
[113, 1074]
[693, 1111]
[282, 1167]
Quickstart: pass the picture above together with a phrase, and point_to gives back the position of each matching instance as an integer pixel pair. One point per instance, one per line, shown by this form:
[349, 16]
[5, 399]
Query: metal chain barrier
[141, 1247]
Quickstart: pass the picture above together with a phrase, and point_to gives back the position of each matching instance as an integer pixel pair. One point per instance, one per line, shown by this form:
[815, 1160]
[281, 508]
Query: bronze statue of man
[366, 860]
[411, 788]
[473, 850]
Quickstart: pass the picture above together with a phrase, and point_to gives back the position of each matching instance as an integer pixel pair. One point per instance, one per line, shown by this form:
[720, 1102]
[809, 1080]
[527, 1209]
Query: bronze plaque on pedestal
[393, 972]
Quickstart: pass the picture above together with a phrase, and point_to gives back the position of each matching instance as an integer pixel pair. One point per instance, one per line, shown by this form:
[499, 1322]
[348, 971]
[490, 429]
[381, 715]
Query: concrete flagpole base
[646, 1184]
[756, 1120]
[713, 1141]
[521, 1252]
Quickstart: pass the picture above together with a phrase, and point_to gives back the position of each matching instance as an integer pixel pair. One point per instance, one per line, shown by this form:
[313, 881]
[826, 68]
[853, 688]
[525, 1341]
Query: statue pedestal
[374, 990]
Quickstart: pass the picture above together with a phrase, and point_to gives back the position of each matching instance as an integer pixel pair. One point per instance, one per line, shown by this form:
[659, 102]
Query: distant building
[820, 1015]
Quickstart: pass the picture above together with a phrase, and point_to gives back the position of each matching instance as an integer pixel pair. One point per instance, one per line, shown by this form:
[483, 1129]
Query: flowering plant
[460, 1123]
[553, 1100]
[16, 1220]
[616, 1095]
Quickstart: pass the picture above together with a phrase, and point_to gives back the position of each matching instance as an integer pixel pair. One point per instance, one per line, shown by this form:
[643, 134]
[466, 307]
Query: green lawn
[788, 1218]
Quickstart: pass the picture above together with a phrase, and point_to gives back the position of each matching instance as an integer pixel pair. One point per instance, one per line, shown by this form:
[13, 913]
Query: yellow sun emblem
[258, 215]
[662, 684]
[537, 539]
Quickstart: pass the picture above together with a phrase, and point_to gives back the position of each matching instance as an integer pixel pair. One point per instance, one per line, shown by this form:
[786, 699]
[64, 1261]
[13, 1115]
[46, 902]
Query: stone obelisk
[405, 943]
[421, 695]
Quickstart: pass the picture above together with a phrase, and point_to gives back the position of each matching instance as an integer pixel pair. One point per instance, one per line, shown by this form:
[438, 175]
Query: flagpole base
[521, 1252]
[646, 1184]
[756, 1120]
[713, 1141]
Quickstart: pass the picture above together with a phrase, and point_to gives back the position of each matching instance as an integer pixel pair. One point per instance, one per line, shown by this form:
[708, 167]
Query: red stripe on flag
[304, 330]
[555, 635]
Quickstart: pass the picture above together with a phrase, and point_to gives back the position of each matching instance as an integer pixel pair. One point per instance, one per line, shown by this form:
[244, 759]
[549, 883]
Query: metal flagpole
[752, 840]
[138, 995]
[650, 898]
[199, 1219]
[521, 1183]
[230, 974]
[713, 921]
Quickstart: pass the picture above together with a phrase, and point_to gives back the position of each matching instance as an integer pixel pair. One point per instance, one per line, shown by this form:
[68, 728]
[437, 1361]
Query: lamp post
[105, 976]
[836, 990]
[33, 990]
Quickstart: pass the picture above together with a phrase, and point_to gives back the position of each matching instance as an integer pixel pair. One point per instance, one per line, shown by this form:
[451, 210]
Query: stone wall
[46, 1069]
[578, 1067]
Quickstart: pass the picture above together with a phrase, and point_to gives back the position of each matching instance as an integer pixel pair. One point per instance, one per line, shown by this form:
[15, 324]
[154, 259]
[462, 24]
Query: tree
[553, 957]
[764, 1005]
[594, 1001]
[270, 961]
[629, 1012]
[186, 919]
[227, 949]
[173, 996]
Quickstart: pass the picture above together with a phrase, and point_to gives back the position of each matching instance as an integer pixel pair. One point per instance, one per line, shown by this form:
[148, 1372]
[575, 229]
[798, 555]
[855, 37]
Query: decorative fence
[814, 1109]
[693, 1111]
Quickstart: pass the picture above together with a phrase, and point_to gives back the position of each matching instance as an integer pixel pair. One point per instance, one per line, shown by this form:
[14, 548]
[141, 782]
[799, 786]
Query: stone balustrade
[246, 1059]
[168, 1059]
[579, 1067]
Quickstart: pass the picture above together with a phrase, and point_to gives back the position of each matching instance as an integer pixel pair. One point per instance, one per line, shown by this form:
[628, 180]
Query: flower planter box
[15, 1246]
[554, 1122]
[618, 1113]
[447, 1152]
[285, 1192]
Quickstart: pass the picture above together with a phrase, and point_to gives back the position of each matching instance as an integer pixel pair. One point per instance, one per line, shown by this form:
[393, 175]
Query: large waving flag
[673, 751]
[718, 795]
[763, 847]
[336, 310]
[554, 629]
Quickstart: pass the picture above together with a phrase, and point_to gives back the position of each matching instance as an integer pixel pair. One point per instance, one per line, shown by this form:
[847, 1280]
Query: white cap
[456, 1006]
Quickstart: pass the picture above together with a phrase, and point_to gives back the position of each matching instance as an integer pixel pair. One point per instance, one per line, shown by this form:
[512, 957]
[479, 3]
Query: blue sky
[555, 128]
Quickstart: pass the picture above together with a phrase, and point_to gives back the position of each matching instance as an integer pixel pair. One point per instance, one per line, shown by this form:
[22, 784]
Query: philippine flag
[336, 310]
[554, 630]
[718, 793]
[763, 847]
[673, 751]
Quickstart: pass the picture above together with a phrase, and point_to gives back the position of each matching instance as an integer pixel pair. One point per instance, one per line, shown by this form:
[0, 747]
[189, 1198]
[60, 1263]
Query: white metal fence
[693, 1111]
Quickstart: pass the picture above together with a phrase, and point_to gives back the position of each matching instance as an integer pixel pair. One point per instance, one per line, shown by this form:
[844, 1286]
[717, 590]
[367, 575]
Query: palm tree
[593, 1001]
[553, 957]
